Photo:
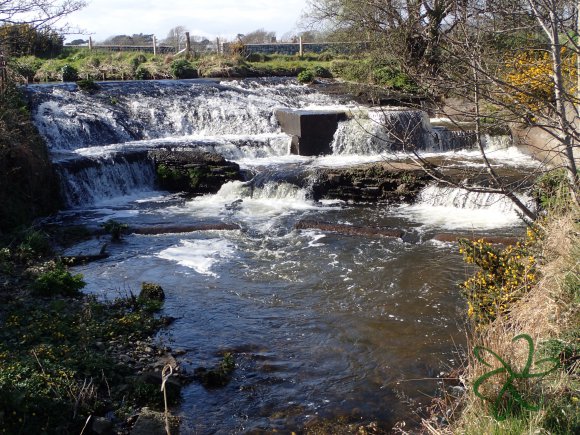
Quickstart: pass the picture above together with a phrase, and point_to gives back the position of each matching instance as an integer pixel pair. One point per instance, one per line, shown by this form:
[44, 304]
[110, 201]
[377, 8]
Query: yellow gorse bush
[528, 75]
[503, 276]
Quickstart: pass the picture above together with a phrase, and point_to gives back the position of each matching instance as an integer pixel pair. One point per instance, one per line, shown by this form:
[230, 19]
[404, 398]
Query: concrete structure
[312, 131]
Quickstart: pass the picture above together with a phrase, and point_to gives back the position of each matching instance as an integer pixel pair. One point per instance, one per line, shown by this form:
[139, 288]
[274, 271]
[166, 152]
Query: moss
[54, 370]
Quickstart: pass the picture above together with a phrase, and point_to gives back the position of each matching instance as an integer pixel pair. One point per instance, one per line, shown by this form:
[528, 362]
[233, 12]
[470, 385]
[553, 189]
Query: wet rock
[349, 229]
[101, 426]
[174, 229]
[151, 292]
[153, 423]
[369, 183]
[172, 385]
[193, 172]
[218, 376]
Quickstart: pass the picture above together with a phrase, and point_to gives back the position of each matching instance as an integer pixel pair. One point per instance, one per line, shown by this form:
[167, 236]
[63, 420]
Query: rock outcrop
[193, 172]
[370, 183]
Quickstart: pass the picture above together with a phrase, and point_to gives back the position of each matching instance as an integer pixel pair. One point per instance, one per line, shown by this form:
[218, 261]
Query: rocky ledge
[370, 183]
[193, 172]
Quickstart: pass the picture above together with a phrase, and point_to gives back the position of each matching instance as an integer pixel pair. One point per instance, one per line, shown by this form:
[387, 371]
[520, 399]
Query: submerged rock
[151, 292]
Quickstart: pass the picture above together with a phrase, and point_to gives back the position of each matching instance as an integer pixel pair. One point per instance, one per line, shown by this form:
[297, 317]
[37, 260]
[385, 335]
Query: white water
[321, 323]
[452, 208]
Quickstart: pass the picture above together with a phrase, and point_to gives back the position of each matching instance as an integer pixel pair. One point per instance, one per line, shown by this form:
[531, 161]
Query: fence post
[90, 43]
[301, 49]
[187, 46]
[154, 46]
[217, 45]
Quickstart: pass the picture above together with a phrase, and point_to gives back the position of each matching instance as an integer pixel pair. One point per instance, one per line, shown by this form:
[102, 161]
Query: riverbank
[69, 362]
[522, 370]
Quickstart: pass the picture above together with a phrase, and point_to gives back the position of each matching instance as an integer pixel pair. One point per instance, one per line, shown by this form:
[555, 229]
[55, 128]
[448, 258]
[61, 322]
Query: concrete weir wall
[312, 131]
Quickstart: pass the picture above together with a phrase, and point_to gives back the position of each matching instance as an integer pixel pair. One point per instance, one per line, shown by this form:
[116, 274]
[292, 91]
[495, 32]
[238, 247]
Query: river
[321, 324]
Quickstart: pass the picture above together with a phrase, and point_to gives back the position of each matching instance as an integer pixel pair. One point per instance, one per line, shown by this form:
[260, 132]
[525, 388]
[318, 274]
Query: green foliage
[137, 60]
[26, 40]
[27, 66]
[306, 76]
[115, 229]
[88, 85]
[34, 245]
[373, 71]
[55, 370]
[183, 69]
[503, 277]
[320, 71]
[563, 414]
[69, 73]
[552, 192]
[28, 185]
[58, 281]
[143, 73]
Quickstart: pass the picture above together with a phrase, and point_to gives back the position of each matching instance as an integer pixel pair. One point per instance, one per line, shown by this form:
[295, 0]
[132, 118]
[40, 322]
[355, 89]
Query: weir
[328, 278]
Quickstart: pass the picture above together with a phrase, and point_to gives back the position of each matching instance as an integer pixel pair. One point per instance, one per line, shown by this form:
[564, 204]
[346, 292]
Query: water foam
[200, 255]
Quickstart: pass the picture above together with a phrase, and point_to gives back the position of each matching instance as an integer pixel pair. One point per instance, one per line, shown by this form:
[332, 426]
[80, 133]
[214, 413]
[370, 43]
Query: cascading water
[322, 324]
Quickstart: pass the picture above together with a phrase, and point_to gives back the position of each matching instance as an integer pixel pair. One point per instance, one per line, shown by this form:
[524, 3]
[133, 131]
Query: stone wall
[291, 48]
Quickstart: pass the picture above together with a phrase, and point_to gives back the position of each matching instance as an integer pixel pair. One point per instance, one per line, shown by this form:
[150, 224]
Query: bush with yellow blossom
[528, 76]
[503, 276]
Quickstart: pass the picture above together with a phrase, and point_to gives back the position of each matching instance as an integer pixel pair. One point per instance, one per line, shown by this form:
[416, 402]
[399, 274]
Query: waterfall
[119, 112]
[454, 208]
[95, 138]
[86, 181]
[454, 197]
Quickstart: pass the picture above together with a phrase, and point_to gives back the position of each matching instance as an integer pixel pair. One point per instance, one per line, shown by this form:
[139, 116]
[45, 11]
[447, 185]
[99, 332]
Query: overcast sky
[211, 18]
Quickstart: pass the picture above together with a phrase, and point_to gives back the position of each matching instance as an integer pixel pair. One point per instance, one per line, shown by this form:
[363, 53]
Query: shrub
[69, 73]
[504, 276]
[306, 76]
[27, 67]
[115, 229]
[35, 244]
[551, 191]
[137, 60]
[58, 281]
[183, 69]
[320, 71]
[88, 85]
[142, 73]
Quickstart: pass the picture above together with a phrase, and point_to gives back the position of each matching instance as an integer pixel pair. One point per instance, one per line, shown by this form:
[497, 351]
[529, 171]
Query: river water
[321, 325]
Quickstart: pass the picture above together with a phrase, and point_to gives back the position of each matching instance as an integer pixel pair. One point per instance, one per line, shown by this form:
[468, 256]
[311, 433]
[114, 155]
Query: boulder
[193, 172]
[153, 423]
[151, 292]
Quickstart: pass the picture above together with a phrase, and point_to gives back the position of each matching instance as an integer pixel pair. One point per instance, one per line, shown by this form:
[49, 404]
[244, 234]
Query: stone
[153, 423]
[194, 172]
[151, 292]
[312, 131]
[101, 426]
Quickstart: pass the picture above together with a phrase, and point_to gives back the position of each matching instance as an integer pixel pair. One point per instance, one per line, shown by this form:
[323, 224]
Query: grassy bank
[74, 64]
[531, 289]
[65, 356]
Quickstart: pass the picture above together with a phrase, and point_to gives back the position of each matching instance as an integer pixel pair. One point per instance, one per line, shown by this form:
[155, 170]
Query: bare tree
[259, 36]
[176, 37]
[38, 13]
[466, 49]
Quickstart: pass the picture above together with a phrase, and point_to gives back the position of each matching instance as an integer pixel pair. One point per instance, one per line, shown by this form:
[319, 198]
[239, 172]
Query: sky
[209, 18]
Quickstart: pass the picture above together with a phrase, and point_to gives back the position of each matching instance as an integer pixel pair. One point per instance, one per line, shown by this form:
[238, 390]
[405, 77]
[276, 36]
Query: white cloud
[104, 18]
